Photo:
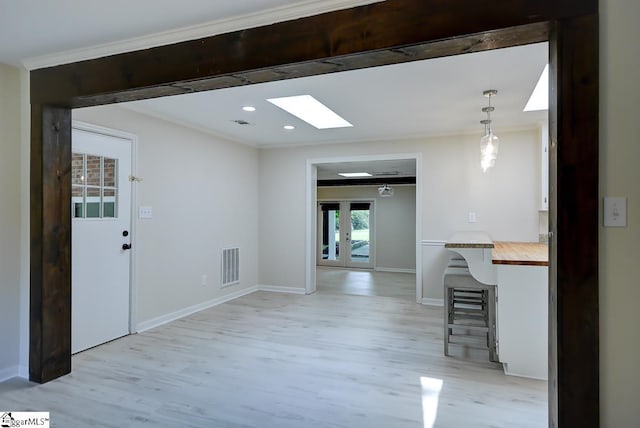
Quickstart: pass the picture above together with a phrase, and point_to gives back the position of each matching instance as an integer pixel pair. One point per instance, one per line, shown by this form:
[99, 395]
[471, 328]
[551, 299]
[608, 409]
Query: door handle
[126, 246]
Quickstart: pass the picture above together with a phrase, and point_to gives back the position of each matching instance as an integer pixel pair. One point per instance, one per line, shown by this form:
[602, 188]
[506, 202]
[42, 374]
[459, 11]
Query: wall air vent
[230, 266]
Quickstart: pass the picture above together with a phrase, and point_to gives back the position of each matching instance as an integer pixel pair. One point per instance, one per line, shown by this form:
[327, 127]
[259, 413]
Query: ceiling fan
[385, 191]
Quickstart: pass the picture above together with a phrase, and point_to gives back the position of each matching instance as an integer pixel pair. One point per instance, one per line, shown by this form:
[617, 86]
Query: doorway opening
[346, 231]
[330, 231]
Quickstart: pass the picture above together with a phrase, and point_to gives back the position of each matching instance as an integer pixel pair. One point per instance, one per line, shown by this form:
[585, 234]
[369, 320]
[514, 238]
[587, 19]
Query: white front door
[101, 226]
[345, 234]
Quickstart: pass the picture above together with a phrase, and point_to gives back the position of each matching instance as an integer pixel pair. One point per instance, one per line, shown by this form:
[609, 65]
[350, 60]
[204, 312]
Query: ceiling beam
[381, 33]
[371, 181]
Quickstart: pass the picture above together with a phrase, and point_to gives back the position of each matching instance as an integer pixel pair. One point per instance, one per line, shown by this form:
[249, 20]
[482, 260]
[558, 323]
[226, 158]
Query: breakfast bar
[522, 305]
[519, 270]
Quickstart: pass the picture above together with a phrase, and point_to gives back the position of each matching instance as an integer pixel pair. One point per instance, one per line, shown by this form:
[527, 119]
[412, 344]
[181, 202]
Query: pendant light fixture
[489, 142]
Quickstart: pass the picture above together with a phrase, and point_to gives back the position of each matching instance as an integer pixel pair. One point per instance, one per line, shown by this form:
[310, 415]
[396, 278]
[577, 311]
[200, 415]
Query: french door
[345, 234]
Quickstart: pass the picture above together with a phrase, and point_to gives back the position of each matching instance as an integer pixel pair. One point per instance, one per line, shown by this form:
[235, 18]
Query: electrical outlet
[203, 279]
[472, 217]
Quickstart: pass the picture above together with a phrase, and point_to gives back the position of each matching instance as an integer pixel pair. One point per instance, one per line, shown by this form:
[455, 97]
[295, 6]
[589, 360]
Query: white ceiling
[412, 100]
[40, 31]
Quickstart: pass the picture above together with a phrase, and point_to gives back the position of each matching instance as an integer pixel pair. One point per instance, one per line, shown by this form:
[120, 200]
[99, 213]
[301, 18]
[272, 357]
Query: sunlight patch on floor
[430, 393]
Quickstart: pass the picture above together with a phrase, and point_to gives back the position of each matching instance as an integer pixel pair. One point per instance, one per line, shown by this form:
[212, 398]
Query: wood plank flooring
[366, 283]
[280, 360]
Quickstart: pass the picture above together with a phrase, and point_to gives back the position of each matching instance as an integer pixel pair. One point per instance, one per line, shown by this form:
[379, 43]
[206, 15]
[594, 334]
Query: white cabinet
[522, 320]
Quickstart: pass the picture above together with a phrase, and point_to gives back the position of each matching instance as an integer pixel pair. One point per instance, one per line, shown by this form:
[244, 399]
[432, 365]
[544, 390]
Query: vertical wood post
[573, 323]
[50, 298]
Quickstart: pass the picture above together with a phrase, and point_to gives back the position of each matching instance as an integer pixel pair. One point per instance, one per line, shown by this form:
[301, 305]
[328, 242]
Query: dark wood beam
[157, 86]
[574, 325]
[50, 296]
[256, 54]
[371, 181]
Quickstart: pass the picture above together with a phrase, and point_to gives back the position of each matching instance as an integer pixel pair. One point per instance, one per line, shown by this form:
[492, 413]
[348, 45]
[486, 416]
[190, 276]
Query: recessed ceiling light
[249, 108]
[310, 110]
[539, 99]
[354, 174]
[289, 127]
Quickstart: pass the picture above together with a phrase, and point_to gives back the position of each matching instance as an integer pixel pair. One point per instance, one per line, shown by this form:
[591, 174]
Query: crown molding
[194, 32]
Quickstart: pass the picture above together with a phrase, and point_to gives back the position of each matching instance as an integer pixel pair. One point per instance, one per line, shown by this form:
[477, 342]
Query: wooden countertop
[520, 253]
[469, 240]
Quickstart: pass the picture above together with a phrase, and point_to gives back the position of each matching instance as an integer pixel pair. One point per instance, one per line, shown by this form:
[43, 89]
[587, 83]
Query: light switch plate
[145, 212]
[615, 212]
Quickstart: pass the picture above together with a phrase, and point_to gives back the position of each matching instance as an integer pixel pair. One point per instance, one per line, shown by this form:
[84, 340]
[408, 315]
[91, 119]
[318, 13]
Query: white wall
[620, 176]
[204, 197]
[505, 199]
[395, 222]
[10, 102]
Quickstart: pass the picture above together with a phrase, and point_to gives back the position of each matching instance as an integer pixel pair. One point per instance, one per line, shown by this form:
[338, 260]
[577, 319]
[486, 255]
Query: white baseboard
[164, 319]
[23, 372]
[9, 373]
[394, 270]
[433, 302]
[281, 289]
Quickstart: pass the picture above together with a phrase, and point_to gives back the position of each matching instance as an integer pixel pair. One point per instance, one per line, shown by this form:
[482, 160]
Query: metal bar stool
[469, 305]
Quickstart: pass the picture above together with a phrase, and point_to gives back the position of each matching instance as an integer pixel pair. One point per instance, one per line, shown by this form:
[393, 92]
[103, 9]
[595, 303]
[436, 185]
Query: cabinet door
[522, 312]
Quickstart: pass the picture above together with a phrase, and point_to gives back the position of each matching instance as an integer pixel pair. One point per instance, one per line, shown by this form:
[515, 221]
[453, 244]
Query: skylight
[310, 110]
[354, 174]
[539, 99]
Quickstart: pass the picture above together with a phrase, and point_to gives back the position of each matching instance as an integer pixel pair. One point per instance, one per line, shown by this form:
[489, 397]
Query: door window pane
[360, 234]
[93, 176]
[109, 203]
[77, 168]
[330, 231]
[94, 190]
[77, 201]
[93, 202]
[109, 172]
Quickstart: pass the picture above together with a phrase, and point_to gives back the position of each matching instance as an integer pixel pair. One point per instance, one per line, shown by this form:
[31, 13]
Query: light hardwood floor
[280, 360]
[366, 283]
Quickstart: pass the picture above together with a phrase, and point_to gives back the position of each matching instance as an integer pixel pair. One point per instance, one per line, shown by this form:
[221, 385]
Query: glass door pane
[345, 234]
[330, 239]
[360, 232]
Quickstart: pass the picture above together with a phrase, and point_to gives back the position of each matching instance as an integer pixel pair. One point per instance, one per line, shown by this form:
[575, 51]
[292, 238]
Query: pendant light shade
[489, 145]
[490, 142]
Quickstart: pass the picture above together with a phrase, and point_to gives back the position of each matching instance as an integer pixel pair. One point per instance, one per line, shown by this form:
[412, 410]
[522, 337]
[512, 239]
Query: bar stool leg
[493, 355]
[447, 330]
